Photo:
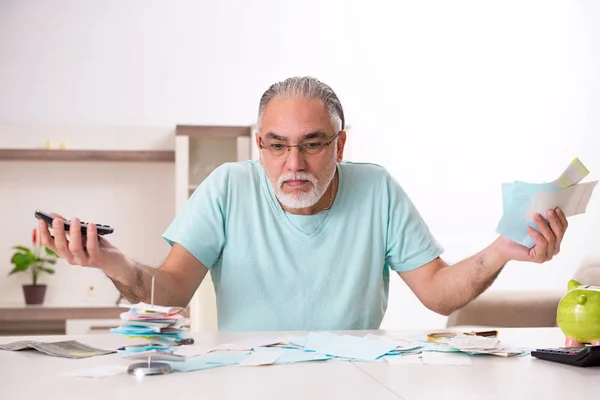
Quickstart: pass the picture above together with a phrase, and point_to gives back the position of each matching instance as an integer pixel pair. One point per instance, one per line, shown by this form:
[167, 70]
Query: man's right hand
[90, 250]
[178, 277]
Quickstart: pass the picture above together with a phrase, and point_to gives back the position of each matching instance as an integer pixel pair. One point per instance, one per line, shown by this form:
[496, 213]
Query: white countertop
[25, 375]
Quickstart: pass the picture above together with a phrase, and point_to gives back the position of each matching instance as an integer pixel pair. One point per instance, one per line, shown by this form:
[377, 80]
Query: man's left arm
[443, 288]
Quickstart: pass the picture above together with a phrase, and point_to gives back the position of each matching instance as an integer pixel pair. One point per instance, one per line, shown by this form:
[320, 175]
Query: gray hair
[307, 87]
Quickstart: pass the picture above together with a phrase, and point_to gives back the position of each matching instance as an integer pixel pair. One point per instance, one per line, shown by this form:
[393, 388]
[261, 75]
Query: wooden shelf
[37, 313]
[52, 320]
[88, 155]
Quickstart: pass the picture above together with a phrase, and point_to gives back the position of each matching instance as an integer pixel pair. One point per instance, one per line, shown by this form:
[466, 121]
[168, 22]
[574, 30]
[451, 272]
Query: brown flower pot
[34, 294]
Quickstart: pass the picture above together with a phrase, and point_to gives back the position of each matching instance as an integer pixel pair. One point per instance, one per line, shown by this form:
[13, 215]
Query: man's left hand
[547, 240]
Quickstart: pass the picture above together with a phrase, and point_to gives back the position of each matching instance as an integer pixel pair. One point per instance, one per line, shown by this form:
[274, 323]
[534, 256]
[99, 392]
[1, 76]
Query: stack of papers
[316, 346]
[483, 345]
[521, 201]
[163, 327]
[325, 346]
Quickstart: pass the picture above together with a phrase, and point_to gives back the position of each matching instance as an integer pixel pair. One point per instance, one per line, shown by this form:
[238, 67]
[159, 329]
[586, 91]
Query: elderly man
[301, 239]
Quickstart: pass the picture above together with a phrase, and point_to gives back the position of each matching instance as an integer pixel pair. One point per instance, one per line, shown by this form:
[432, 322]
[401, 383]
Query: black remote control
[582, 356]
[101, 229]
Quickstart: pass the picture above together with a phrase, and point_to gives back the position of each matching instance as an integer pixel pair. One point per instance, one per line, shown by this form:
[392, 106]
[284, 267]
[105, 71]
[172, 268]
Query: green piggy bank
[578, 314]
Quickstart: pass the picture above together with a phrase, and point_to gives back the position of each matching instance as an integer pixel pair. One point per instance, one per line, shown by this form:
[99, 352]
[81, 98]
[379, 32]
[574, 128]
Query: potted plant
[35, 260]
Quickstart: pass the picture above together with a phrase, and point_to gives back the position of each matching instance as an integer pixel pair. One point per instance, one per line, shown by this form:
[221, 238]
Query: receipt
[574, 173]
[572, 200]
[522, 200]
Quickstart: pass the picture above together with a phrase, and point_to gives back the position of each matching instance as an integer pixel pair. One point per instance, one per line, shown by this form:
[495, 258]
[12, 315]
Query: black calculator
[100, 229]
[582, 356]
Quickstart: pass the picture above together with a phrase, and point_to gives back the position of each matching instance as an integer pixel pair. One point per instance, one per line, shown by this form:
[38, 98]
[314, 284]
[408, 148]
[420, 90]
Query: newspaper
[66, 349]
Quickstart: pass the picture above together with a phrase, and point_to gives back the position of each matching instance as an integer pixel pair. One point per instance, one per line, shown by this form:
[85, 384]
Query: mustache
[296, 176]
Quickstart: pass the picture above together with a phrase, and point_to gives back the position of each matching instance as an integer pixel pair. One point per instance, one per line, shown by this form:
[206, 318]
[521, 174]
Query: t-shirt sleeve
[410, 244]
[200, 225]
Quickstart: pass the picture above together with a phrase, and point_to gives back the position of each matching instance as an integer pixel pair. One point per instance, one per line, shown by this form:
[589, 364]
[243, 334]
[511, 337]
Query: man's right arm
[175, 281]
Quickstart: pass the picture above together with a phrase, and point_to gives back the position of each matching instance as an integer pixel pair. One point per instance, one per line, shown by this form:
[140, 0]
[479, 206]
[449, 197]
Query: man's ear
[257, 141]
[341, 143]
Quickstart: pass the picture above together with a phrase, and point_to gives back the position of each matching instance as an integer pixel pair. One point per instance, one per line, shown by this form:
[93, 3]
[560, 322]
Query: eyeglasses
[311, 147]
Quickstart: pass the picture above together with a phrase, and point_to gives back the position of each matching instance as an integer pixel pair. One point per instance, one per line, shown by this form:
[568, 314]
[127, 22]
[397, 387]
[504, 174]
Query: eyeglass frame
[300, 146]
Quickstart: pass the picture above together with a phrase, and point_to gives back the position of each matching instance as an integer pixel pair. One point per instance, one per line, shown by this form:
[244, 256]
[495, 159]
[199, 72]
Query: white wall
[453, 97]
[137, 199]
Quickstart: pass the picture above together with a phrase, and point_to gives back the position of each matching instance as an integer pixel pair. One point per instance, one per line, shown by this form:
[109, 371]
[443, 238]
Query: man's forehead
[313, 134]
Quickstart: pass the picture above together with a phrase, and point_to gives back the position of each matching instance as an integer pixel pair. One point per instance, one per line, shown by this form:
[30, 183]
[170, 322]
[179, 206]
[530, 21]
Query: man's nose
[295, 160]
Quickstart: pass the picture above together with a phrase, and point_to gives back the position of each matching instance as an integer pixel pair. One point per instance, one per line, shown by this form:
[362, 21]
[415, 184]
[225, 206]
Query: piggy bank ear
[573, 284]
[581, 299]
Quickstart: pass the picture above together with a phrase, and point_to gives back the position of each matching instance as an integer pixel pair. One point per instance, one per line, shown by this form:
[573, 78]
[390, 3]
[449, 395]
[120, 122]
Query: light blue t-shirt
[273, 270]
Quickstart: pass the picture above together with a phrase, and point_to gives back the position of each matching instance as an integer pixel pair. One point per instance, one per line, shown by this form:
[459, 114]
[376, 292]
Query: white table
[492, 377]
[25, 375]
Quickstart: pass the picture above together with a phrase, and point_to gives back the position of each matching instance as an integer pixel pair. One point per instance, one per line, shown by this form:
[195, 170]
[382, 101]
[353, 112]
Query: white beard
[299, 198]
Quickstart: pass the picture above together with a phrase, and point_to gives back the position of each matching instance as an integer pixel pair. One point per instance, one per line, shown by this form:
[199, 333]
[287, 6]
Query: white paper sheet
[402, 344]
[348, 346]
[291, 356]
[155, 308]
[263, 357]
[471, 342]
[482, 345]
[572, 200]
[192, 350]
[250, 344]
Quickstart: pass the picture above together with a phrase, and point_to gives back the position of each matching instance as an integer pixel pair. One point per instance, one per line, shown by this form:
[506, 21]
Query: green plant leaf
[51, 252]
[47, 270]
[16, 269]
[48, 260]
[23, 260]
